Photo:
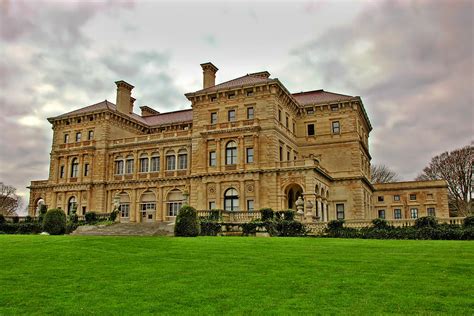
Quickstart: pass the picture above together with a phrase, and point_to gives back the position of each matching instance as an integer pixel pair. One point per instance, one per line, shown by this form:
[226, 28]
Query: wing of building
[244, 144]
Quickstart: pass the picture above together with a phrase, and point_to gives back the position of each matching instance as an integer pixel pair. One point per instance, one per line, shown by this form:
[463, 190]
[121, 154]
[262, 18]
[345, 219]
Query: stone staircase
[127, 229]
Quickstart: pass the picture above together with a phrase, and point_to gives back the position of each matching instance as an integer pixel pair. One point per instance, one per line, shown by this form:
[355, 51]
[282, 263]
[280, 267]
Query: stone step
[127, 229]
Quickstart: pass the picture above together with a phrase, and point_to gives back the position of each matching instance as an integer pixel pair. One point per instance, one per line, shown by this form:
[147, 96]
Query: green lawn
[233, 275]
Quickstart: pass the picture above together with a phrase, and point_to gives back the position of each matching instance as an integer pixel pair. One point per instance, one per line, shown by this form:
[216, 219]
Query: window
[412, 197]
[213, 98]
[66, 138]
[86, 170]
[431, 211]
[334, 107]
[287, 122]
[129, 165]
[214, 118]
[336, 128]
[281, 153]
[143, 163]
[231, 153]
[380, 198]
[170, 161]
[231, 200]
[148, 206]
[249, 155]
[396, 197]
[61, 172]
[279, 115]
[173, 208]
[249, 93]
[78, 137]
[74, 168]
[294, 128]
[124, 210]
[231, 116]
[250, 113]
[90, 135]
[310, 110]
[119, 166]
[155, 163]
[182, 160]
[339, 211]
[310, 129]
[212, 159]
[231, 95]
[250, 207]
[397, 213]
[429, 196]
[288, 155]
[382, 214]
[413, 213]
[212, 205]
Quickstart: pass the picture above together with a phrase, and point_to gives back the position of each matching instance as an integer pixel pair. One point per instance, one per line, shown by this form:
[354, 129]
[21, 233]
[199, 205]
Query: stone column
[219, 162]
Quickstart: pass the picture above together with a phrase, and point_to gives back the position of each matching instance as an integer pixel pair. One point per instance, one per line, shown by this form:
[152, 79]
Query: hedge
[54, 222]
[187, 222]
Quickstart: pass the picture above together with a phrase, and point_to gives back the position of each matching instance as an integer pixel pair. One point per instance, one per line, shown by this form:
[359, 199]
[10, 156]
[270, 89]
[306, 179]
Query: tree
[382, 174]
[456, 167]
[9, 201]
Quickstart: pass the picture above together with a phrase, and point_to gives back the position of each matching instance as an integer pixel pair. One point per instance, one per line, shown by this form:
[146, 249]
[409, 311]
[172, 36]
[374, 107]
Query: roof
[319, 96]
[248, 79]
[159, 119]
[410, 185]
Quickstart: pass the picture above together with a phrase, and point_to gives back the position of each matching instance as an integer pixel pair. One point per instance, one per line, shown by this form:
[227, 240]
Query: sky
[410, 61]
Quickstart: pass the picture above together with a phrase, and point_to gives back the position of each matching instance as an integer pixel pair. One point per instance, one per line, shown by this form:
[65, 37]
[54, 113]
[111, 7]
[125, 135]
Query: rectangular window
[66, 138]
[339, 211]
[310, 129]
[61, 172]
[212, 205]
[212, 159]
[170, 162]
[250, 113]
[213, 98]
[397, 213]
[90, 135]
[310, 110]
[380, 198]
[294, 128]
[281, 153]
[249, 155]
[231, 116]
[287, 122]
[334, 107]
[119, 167]
[182, 161]
[155, 164]
[249, 93]
[382, 214]
[124, 210]
[129, 166]
[336, 128]
[250, 205]
[143, 165]
[214, 118]
[86, 170]
[74, 170]
[279, 115]
[288, 155]
[412, 197]
[431, 211]
[231, 95]
[231, 156]
[78, 137]
[413, 213]
[429, 196]
[396, 198]
[173, 208]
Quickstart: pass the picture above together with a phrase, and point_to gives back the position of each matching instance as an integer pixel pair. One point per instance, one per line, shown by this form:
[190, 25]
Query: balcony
[151, 137]
[234, 124]
[85, 143]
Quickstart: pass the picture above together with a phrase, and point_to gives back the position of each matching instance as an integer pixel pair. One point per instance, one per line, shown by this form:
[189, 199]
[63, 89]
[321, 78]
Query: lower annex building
[244, 144]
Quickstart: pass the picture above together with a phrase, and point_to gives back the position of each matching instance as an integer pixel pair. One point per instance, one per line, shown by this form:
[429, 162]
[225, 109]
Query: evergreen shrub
[91, 217]
[426, 221]
[187, 222]
[54, 222]
[266, 214]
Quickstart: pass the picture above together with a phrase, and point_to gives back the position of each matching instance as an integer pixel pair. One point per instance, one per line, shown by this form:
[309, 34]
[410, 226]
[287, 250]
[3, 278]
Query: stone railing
[83, 143]
[234, 124]
[231, 216]
[151, 137]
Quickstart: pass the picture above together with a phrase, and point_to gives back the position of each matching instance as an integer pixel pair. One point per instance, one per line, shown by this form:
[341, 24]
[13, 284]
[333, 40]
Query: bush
[54, 222]
[210, 228]
[249, 228]
[16, 219]
[91, 217]
[288, 228]
[335, 224]
[113, 215]
[2, 219]
[29, 228]
[266, 214]
[215, 215]
[468, 221]
[380, 223]
[71, 226]
[427, 221]
[42, 212]
[28, 219]
[9, 228]
[187, 223]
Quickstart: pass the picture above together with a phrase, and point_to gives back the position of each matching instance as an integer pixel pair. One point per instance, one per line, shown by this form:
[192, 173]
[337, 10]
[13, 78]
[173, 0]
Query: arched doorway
[148, 206]
[293, 192]
[71, 205]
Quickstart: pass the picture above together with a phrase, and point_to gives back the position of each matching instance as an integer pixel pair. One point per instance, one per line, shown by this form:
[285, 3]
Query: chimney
[124, 98]
[209, 75]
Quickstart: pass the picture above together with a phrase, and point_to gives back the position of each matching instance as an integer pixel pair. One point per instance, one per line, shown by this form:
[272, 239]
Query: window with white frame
[182, 159]
[214, 118]
[414, 213]
[250, 113]
[124, 210]
[119, 164]
[249, 155]
[155, 163]
[173, 208]
[231, 153]
[250, 205]
[212, 159]
[231, 200]
[78, 137]
[431, 211]
[397, 213]
[129, 165]
[143, 163]
[336, 127]
[170, 161]
[231, 116]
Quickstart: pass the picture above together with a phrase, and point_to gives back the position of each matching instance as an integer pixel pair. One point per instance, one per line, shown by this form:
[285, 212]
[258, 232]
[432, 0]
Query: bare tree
[456, 167]
[382, 174]
[9, 201]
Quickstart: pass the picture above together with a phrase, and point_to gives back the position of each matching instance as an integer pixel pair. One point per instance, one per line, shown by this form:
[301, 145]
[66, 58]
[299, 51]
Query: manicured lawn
[226, 275]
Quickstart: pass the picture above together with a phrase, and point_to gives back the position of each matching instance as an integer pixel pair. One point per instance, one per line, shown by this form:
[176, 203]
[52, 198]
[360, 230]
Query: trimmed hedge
[266, 214]
[54, 222]
[187, 222]
[468, 222]
[210, 228]
[21, 228]
[91, 217]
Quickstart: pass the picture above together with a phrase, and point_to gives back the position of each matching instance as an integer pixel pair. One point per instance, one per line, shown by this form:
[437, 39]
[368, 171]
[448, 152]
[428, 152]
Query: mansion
[244, 144]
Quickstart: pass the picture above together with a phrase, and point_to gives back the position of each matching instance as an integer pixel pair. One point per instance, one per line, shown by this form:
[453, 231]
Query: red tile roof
[249, 79]
[88, 109]
[319, 96]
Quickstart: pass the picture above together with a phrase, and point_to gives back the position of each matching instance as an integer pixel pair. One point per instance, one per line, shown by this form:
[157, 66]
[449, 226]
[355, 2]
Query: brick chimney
[124, 97]
[209, 75]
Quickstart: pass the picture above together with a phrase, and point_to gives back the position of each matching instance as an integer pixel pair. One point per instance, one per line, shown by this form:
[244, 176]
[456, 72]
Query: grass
[233, 275]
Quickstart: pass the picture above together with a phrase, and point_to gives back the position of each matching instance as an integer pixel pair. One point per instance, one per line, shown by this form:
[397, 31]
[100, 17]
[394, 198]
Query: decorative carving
[211, 189]
[250, 188]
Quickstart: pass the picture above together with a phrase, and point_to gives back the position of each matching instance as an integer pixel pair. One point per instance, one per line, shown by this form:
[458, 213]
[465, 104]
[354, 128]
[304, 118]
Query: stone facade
[246, 144]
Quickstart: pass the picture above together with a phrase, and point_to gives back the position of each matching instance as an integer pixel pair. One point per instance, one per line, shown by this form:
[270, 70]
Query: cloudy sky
[410, 61]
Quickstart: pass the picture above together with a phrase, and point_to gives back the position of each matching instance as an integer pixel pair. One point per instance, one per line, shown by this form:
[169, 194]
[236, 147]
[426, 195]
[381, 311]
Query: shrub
[91, 217]
[427, 221]
[468, 221]
[16, 219]
[28, 219]
[9, 228]
[289, 215]
[379, 223]
[210, 228]
[29, 228]
[54, 222]
[187, 223]
[113, 215]
[249, 228]
[215, 215]
[2, 219]
[267, 214]
[42, 212]
[335, 224]
[71, 226]
[288, 228]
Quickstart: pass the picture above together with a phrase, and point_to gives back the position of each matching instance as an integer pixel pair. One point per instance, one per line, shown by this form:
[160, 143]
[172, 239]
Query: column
[241, 152]
[256, 151]
[243, 199]
[219, 161]
[162, 161]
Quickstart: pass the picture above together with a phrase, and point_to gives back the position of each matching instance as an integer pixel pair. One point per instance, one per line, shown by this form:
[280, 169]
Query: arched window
[119, 165]
[74, 168]
[182, 159]
[155, 162]
[170, 160]
[148, 206]
[143, 163]
[174, 202]
[71, 204]
[129, 164]
[231, 153]
[231, 200]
